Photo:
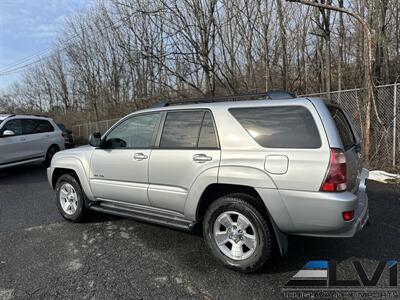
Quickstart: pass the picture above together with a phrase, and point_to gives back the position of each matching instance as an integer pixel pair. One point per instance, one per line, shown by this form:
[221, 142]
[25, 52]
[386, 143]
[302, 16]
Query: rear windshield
[280, 126]
[343, 127]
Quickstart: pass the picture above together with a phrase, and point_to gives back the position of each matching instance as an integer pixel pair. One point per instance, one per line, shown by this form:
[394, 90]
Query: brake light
[336, 178]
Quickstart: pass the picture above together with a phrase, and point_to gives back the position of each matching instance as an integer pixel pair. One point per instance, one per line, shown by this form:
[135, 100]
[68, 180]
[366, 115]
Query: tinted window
[280, 127]
[135, 132]
[13, 125]
[343, 127]
[181, 129]
[28, 126]
[43, 126]
[208, 138]
[32, 126]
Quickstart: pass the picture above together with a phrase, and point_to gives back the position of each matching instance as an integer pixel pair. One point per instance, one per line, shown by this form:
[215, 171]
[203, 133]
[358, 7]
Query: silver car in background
[27, 138]
[250, 172]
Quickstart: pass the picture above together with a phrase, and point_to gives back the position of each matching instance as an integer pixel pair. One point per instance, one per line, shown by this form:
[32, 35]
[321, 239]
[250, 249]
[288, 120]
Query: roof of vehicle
[228, 104]
[24, 116]
[4, 116]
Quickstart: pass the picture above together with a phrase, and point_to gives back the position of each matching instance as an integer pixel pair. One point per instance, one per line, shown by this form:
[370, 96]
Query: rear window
[43, 126]
[280, 126]
[342, 125]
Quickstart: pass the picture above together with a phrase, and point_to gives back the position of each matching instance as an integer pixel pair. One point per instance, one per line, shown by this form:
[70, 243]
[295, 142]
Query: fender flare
[74, 164]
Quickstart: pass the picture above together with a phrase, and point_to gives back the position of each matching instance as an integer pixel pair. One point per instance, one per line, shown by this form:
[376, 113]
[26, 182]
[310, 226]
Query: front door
[187, 148]
[14, 148]
[119, 169]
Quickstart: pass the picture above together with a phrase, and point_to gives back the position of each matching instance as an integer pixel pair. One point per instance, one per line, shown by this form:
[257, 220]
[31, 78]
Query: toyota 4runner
[251, 172]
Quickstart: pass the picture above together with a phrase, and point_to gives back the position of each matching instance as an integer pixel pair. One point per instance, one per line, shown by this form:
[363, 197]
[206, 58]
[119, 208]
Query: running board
[140, 215]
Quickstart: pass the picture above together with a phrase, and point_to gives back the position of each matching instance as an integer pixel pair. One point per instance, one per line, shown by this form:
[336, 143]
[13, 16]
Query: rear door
[186, 147]
[44, 135]
[34, 138]
[351, 145]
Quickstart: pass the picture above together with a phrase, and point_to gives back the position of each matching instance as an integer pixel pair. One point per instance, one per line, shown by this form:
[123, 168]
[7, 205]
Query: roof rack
[271, 95]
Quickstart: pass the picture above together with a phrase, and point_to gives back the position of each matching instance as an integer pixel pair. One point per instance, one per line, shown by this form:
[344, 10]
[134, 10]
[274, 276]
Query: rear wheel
[50, 153]
[237, 233]
[70, 198]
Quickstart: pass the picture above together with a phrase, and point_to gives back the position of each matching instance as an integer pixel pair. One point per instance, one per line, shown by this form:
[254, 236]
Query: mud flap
[281, 238]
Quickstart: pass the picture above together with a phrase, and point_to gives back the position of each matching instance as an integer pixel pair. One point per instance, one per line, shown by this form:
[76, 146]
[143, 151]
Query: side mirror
[8, 133]
[95, 139]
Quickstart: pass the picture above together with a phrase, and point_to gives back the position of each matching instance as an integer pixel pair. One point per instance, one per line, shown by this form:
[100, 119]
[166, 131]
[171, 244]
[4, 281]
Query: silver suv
[251, 172]
[27, 138]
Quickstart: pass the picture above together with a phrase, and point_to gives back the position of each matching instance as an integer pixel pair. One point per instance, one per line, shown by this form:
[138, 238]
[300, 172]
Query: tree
[368, 82]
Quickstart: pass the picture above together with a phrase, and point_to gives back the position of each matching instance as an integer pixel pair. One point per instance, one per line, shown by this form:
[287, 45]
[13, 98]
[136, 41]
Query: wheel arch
[217, 190]
[71, 165]
[58, 172]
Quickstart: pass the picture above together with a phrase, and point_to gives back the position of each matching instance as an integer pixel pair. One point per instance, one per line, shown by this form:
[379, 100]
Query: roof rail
[160, 104]
[271, 95]
[279, 95]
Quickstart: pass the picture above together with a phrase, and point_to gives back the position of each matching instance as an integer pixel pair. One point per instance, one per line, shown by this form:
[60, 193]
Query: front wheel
[237, 233]
[70, 198]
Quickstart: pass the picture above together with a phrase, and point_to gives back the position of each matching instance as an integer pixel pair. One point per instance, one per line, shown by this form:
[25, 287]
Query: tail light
[336, 179]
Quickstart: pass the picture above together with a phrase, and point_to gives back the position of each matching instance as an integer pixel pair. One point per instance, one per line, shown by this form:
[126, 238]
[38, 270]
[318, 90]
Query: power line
[5, 68]
[25, 62]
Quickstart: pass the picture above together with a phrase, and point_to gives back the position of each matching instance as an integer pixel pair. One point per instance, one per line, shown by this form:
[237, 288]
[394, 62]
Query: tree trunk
[282, 32]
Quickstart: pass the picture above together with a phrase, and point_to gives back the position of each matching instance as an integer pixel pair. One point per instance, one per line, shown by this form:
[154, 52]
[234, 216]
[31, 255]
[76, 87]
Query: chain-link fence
[81, 132]
[385, 121]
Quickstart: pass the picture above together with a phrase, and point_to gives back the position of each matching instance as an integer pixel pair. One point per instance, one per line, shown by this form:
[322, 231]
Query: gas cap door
[276, 164]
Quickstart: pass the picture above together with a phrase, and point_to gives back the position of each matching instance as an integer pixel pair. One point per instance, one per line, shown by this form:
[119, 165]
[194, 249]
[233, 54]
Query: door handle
[140, 156]
[201, 158]
[23, 139]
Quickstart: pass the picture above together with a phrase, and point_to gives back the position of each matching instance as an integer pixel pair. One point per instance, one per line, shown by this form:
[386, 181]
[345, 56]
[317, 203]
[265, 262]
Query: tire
[237, 233]
[70, 198]
[49, 154]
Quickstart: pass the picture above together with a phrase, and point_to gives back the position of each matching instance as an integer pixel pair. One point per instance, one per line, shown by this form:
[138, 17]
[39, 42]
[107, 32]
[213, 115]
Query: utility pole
[368, 82]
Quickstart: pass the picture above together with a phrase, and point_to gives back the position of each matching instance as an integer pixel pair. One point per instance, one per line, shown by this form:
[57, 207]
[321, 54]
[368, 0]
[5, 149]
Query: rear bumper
[320, 214]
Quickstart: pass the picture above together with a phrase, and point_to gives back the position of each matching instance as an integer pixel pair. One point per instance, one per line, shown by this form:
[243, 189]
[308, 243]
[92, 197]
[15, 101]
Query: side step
[142, 215]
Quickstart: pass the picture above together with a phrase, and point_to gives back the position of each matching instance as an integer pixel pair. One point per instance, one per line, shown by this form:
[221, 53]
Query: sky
[29, 26]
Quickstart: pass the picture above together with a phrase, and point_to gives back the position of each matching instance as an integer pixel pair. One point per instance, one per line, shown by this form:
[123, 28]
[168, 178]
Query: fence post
[394, 123]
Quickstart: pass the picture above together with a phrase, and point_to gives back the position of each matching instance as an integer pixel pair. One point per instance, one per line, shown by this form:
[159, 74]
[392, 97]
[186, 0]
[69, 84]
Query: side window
[13, 125]
[208, 137]
[28, 126]
[181, 129]
[43, 126]
[280, 126]
[135, 132]
[343, 127]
